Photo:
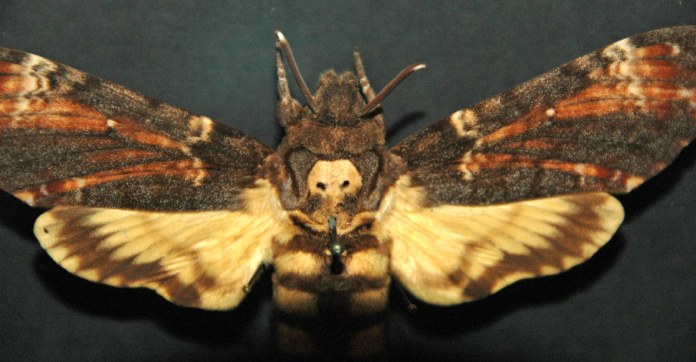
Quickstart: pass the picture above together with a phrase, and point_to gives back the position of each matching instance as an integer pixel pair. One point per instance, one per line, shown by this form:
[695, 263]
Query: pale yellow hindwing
[199, 259]
[452, 254]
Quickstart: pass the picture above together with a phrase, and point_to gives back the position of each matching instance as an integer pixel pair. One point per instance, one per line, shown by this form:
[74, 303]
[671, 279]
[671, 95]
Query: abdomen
[307, 281]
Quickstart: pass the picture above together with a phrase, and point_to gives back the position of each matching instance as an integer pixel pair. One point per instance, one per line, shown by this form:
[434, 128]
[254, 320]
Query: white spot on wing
[464, 121]
[622, 54]
[200, 128]
[186, 150]
[635, 89]
[35, 72]
[685, 93]
[79, 182]
[467, 157]
[675, 49]
[621, 50]
[207, 127]
[199, 174]
[616, 176]
[33, 62]
[468, 175]
[467, 167]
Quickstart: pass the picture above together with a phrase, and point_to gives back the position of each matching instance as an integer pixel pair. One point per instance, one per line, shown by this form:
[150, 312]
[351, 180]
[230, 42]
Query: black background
[635, 300]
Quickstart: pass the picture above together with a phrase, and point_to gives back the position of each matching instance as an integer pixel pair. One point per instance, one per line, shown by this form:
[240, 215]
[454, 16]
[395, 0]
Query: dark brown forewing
[70, 138]
[604, 122]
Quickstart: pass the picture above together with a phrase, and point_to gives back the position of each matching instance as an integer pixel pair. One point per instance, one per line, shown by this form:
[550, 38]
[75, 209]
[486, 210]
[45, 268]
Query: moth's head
[338, 101]
[341, 100]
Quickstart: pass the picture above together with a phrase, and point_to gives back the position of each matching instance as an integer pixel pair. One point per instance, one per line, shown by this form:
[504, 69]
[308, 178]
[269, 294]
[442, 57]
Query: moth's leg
[367, 89]
[288, 110]
[254, 278]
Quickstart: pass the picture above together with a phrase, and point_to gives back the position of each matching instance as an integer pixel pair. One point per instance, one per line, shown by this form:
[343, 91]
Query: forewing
[604, 122]
[197, 259]
[450, 254]
[514, 187]
[68, 138]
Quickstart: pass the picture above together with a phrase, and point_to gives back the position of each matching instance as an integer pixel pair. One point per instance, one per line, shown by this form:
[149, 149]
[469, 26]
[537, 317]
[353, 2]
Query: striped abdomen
[307, 281]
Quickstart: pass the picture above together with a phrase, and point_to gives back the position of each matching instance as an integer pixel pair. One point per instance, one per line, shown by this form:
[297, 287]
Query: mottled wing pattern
[145, 194]
[604, 122]
[512, 187]
[451, 254]
[197, 259]
[70, 138]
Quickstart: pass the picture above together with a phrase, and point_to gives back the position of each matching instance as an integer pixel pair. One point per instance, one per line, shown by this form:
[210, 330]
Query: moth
[143, 194]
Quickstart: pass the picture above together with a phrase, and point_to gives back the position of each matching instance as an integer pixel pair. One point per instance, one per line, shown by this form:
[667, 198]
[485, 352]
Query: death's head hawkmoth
[144, 194]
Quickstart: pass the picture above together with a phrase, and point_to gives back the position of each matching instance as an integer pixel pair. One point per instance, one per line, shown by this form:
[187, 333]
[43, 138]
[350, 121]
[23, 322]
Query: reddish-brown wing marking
[199, 219]
[69, 138]
[603, 123]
